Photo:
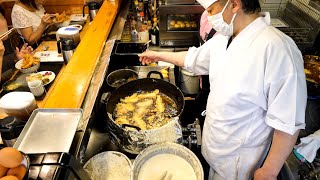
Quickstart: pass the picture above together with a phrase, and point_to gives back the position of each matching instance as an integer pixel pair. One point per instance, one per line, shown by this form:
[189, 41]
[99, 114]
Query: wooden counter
[74, 81]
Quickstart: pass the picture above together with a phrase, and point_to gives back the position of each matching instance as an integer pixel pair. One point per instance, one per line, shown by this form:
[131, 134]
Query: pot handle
[154, 72]
[129, 125]
[105, 97]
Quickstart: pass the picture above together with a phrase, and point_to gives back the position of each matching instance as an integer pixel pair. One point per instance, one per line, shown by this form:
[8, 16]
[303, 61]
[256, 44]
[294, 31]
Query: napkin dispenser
[69, 32]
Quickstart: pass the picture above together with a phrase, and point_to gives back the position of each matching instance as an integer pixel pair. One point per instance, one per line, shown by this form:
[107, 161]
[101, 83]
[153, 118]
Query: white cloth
[256, 84]
[206, 3]
[309, 146]
[22, 18]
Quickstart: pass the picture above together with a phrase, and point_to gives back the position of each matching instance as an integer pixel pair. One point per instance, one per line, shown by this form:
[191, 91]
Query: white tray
[49, 130]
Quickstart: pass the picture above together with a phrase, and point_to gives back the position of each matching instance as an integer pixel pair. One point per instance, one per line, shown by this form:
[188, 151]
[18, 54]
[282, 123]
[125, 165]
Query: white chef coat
[257, 84]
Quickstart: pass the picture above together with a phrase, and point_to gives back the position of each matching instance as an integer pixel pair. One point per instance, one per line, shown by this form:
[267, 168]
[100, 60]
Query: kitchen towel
[309, 145]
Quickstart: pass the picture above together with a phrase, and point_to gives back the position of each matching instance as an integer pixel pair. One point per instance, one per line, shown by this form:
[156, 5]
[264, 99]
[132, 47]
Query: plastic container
[18, 104]
[189, 82]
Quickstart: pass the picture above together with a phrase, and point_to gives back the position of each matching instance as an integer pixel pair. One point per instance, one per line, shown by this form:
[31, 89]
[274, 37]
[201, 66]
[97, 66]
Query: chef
[257, 91]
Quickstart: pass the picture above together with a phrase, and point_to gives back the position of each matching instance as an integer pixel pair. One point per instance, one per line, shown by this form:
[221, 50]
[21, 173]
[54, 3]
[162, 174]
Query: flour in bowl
[165, 165]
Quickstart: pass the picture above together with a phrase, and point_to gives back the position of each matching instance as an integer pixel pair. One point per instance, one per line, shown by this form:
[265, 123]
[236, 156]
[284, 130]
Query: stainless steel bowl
[121, 76]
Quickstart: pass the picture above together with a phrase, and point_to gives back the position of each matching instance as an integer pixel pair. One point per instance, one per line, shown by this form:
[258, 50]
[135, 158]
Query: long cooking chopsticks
[6, 33]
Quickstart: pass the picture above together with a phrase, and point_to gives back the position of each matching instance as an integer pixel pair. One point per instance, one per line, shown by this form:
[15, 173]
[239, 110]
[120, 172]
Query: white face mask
[220, 25]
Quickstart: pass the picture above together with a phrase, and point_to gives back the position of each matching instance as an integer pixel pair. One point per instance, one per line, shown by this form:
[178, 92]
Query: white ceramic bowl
[31, 69]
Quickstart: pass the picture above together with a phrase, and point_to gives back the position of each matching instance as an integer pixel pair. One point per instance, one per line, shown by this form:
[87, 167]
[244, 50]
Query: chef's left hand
[264, 174]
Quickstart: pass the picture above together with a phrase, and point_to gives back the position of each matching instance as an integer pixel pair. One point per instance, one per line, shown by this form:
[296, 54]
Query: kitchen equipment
[134, 141]
[49, 130]
[127, 48]
[302, 23]
[179, 25]
[69, 32]
[66, 47]
[120, 77]
[106, 164]
[10, 128]
[189, 82]
[93, 9]
[55, 166]
[144, 70]
[18, 104]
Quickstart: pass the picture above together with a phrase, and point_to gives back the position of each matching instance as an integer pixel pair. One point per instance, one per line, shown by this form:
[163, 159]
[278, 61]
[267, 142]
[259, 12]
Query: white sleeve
[20, 19]
[285, 89]
[198, 59]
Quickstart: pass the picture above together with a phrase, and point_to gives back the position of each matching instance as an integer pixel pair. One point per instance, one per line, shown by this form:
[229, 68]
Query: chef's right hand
[46, 19]
[149, 57]
[2, 49]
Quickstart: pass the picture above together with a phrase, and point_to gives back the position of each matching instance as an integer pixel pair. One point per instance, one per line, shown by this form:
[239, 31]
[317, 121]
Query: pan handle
[155, 72]
[132, 126]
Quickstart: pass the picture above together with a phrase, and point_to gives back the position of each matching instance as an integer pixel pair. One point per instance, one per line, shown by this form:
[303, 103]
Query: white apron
[256, 85]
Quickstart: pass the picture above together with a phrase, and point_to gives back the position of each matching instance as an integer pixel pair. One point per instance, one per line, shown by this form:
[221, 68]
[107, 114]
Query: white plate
[50, 77]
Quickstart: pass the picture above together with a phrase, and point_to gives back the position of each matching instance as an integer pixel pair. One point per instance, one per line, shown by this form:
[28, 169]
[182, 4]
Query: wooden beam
[75, 80]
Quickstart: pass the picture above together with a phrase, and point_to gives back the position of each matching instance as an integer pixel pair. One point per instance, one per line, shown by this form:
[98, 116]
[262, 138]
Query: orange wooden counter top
[74, 81]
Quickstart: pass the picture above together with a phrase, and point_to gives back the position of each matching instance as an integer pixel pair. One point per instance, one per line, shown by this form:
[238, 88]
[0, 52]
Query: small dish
[11, 85]
[31, 69]
[47, 77]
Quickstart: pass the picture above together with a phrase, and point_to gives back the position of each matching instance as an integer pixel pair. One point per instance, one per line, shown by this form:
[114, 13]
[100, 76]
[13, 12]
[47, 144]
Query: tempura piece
[159, 104]
[122, 120]
[145, 104]
[149, 95]
[124, 108]
[131, 99]
[28, 61]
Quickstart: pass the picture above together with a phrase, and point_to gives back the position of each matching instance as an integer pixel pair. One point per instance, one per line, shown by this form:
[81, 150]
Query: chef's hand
[2, 49]
[25, 49]
[149, 57]
[264, 174]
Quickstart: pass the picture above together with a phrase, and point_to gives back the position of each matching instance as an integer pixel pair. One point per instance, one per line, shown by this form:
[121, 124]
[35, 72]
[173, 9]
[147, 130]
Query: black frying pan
[146, 84]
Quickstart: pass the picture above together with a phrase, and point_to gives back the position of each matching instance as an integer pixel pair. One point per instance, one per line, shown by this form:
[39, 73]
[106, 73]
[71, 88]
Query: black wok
[146, 84]
[135, 141]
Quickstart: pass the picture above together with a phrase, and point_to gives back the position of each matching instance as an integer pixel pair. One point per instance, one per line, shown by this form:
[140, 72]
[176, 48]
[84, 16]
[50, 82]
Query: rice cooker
[69, 32]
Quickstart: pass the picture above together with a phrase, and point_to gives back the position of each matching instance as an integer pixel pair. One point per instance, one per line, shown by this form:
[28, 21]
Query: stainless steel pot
[120, 77]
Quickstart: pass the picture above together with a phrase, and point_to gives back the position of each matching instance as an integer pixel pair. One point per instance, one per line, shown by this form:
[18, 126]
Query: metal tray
[49, 130]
